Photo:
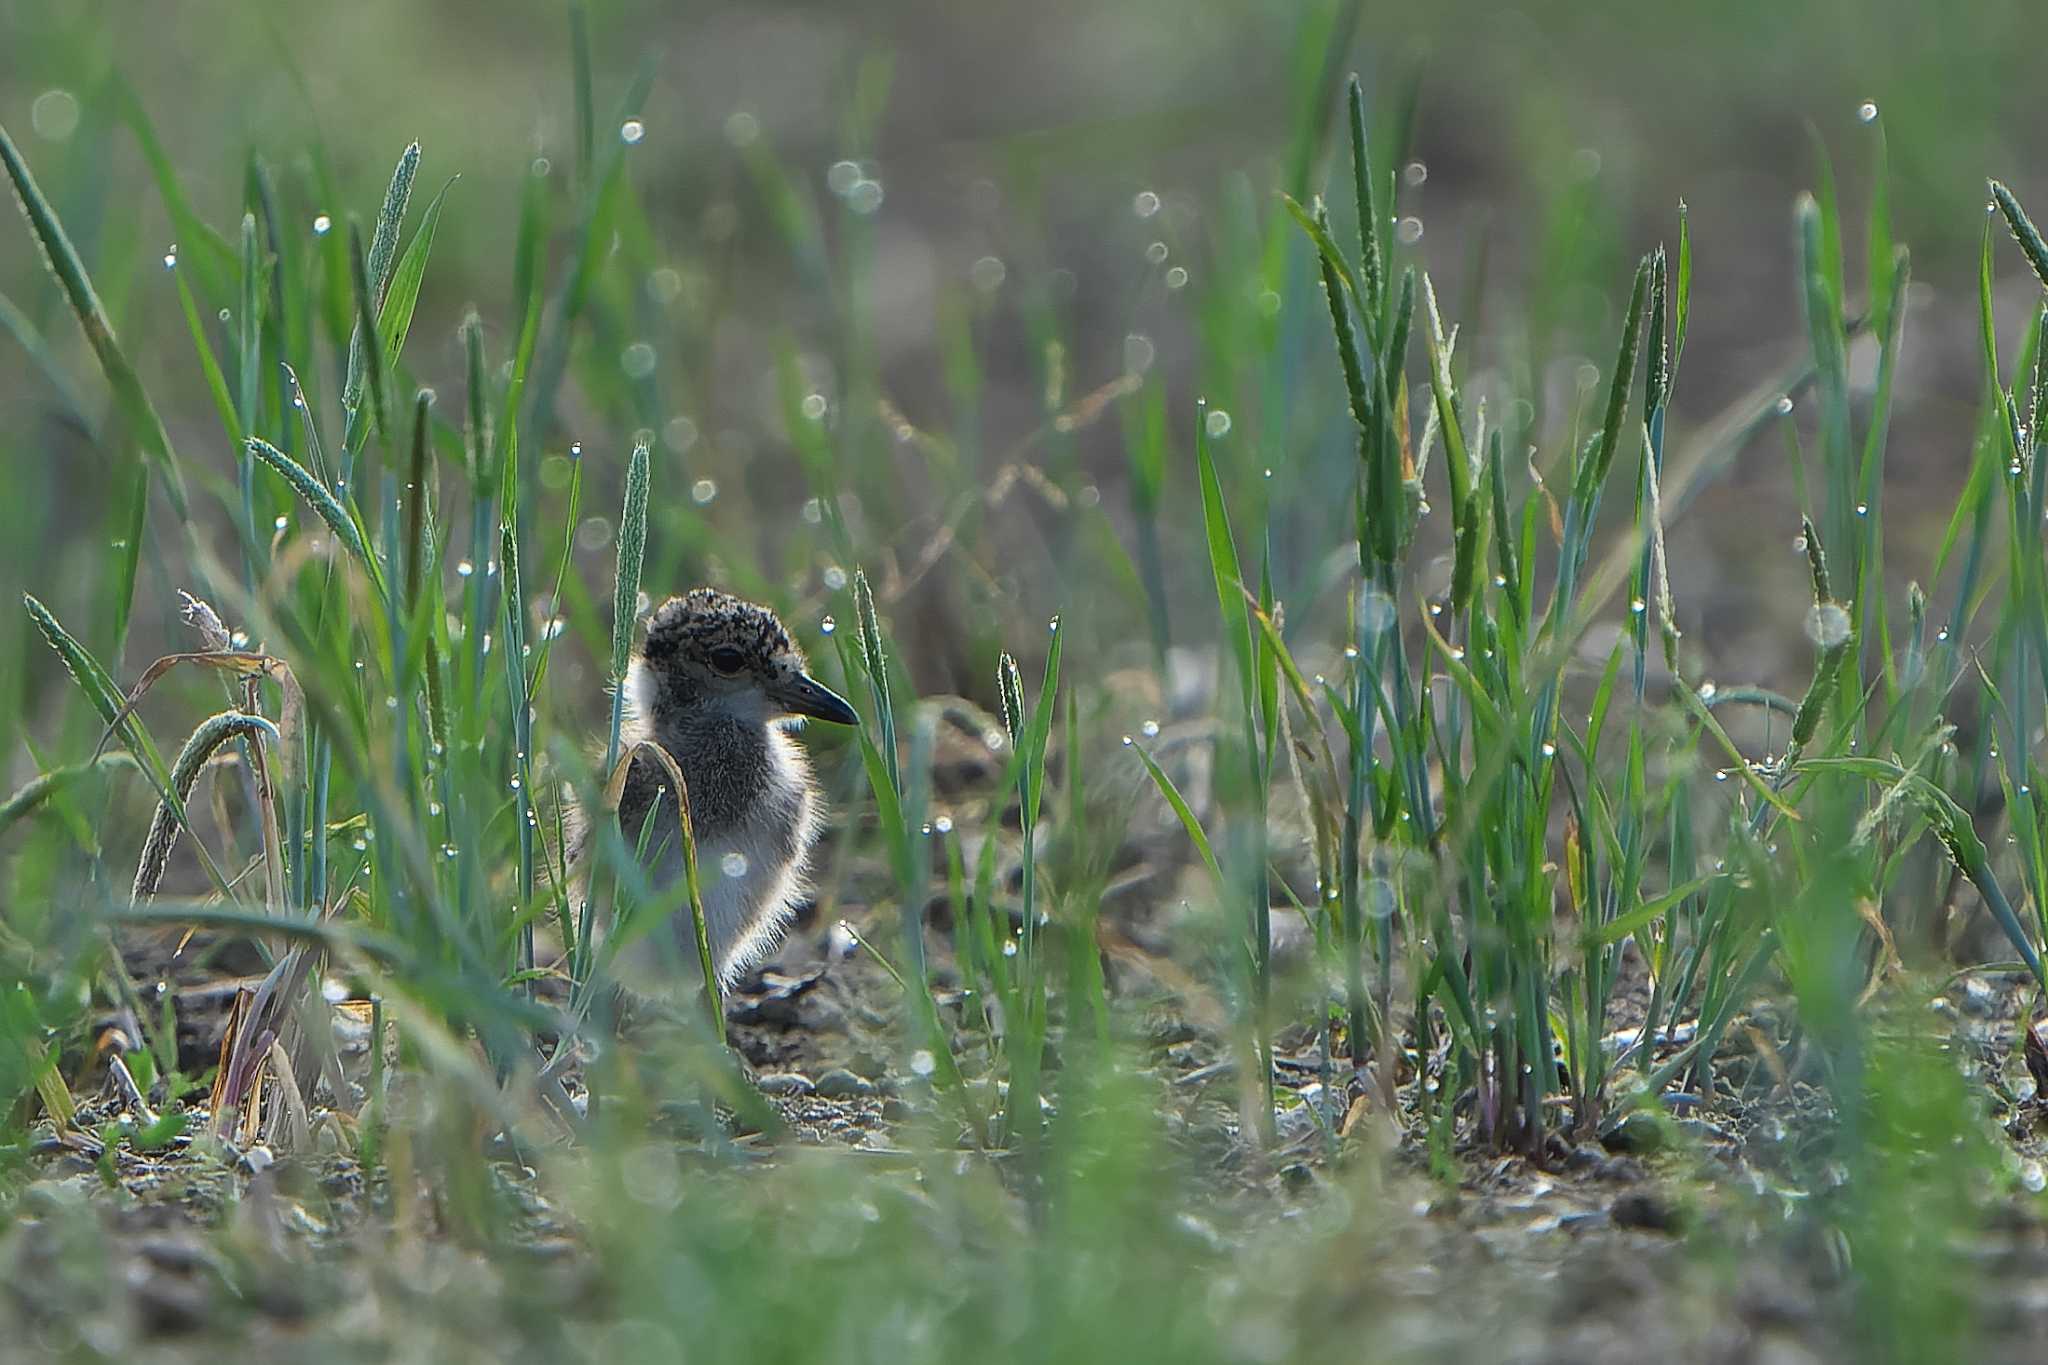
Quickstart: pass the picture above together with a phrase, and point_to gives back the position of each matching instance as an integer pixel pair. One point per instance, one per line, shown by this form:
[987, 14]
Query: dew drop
[814, 406]
[827, 626]
[703, 491]
[631, 131]
[1549, 749]
[54, 115]
[1784, 404]
[1217, 423]
[1866, 112]
[1145, 204]
[1128, 741]
[733, 864]
[282, 522]
[1156, 253]
[463, 568]
[944, 824]
[835, 577]
[1409, 231]
[1139, 353]
[1150, 729]
[322, 224]
[171, 257]
[988, 273]
[1176, 277]
[865, 197]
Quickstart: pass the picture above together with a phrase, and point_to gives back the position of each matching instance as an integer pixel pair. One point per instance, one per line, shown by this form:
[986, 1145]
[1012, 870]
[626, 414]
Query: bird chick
[719, 684]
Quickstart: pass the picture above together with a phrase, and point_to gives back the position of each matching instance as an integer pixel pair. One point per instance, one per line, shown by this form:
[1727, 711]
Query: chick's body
[719, 685]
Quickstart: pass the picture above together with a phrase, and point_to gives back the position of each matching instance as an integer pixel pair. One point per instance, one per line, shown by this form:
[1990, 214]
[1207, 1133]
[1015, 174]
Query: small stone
[1639, 1132]
[784, 1083]
[1648, 1210]
[841, 1084]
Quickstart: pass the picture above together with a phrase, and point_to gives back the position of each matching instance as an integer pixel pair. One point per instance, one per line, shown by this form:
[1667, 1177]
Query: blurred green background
[1015, 150]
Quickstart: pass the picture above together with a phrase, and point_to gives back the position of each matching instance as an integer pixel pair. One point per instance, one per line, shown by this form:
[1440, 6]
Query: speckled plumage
[719, 684]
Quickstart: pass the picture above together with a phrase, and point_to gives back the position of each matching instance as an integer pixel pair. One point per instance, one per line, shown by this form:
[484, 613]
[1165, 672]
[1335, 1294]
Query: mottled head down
[708, 648]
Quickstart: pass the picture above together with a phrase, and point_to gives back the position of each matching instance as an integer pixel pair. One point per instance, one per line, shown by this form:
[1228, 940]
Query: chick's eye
[727, 660]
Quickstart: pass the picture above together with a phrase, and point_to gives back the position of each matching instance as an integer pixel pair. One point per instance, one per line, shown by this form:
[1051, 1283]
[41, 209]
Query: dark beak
[806, 696]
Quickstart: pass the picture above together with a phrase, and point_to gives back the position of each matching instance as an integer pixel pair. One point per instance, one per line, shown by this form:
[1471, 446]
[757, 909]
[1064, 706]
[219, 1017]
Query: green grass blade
[626, 587]
[133, 402]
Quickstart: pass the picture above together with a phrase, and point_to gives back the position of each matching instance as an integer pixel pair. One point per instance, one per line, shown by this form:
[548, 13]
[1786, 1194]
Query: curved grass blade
[40, 788]
[323, 503]
[136, 409]
[212, 733]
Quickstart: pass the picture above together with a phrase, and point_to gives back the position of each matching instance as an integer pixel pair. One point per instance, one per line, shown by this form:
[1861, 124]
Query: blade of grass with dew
[133, 402]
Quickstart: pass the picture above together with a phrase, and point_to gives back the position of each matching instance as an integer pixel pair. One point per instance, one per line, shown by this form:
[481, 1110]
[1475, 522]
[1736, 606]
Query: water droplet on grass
[814, 406]
[54, 115]
[631, 131]
[1176, 278]
[463, 568]
[637, 360]
[1784, 404]
[1156, 253]
[1139, 353]
[865, 197]
[828, 625]
[171, 257]
[1866, 112]
[703, 491]
[1150, 729]
[322, 224]
[1409, 231]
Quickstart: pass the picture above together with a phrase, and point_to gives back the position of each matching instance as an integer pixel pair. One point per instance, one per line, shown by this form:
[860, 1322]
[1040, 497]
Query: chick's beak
[806, 696]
